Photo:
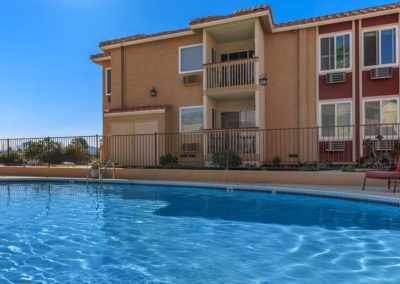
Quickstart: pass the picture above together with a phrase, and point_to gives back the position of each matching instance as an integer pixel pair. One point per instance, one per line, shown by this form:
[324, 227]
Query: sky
[49, 86]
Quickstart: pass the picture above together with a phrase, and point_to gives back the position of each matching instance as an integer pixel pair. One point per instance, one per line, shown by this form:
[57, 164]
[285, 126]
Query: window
[237, 55]
[191, 119]
[335, 120]
[191, 58]
[238, 119]
[380, 47]
[108, 81]
[381, 117]
[335, 52]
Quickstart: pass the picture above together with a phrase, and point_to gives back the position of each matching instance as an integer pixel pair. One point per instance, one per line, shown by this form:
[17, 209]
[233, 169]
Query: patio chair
[389, 176]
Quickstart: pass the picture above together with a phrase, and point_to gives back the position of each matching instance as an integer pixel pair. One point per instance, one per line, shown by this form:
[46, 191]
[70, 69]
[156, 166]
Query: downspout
[122, 77]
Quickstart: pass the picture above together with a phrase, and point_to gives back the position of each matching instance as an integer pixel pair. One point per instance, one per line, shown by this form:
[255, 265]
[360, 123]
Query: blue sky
[48, 85]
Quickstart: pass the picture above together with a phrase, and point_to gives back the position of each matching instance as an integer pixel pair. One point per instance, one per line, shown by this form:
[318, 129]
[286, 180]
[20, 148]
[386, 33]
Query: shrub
[226, 159]
[276, 161]
[169, 161]
[348, 169]
[10, 158]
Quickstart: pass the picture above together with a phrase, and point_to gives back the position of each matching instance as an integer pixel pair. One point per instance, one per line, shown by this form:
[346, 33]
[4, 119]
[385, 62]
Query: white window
[191, 58]
[335, 52]
[108, 81]
[335, 119]
[381, 117]
[380, 47]
[191, 119]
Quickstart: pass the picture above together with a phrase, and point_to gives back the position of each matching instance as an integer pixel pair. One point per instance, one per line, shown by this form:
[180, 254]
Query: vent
[383, 145]
[381, 73]
[190, 80]
[334, 78]
[334, 146]
[190, 147]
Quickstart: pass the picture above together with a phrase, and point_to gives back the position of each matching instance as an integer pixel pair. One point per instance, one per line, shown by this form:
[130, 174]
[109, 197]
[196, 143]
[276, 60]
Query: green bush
[348, 169]
[276, 161]
[10, 158]
[226, 159]
[169, 161]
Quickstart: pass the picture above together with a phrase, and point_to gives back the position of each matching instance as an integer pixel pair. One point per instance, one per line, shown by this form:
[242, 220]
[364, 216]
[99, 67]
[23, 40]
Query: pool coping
[272, 189]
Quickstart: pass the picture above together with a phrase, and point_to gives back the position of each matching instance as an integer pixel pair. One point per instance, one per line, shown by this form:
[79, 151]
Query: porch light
[263, 80]
[153, 92]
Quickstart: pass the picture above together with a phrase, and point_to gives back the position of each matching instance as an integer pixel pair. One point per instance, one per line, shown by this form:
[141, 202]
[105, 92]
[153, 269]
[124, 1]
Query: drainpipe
[122, 76]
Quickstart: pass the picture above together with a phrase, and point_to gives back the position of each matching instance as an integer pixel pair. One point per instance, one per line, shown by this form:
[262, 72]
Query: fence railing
[316, 148]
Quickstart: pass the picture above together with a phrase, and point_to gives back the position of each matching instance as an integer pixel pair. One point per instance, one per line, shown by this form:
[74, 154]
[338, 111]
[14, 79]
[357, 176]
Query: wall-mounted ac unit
[191, 80]
[381, 73]
[383, 145]
[190, 147]
[335, 78]
[334, 146]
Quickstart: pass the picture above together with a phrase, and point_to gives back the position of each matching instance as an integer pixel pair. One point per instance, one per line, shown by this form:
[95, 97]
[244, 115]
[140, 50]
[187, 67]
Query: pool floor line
[273, 189]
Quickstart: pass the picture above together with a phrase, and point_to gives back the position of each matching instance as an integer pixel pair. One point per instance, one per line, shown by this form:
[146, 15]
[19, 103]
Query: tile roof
[140, 36]
[140, 108]
[257, 9]
[237, 13]
[340, 15]
[99, 56]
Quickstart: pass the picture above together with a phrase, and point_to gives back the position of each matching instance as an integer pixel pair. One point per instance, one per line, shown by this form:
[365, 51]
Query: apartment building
[230, 78]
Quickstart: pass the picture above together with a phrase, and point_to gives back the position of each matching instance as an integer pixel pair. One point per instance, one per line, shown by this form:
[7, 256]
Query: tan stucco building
[191, 85]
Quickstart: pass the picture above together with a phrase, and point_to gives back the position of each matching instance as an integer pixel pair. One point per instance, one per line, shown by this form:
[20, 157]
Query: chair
[395, 175]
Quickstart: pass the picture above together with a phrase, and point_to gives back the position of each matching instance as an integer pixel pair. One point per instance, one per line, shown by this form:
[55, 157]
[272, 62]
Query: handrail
[105, 169]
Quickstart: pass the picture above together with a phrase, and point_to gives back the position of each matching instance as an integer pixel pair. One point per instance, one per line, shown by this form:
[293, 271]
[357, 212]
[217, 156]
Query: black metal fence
[316, 148]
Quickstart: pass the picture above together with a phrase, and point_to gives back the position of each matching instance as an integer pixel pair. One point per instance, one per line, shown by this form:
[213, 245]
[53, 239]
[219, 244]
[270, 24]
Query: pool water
[63, 232]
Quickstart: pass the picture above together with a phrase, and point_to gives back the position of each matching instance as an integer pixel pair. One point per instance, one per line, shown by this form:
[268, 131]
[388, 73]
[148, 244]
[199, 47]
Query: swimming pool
[116, 233]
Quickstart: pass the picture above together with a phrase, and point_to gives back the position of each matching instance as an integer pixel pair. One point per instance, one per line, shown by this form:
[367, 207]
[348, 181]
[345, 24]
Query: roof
[140, 108]
[253, 10]
[140, 36]
[242, 12]
[340, 15]
[99, 56]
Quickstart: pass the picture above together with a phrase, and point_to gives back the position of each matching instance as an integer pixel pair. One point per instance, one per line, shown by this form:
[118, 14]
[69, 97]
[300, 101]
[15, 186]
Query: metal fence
[316, 148]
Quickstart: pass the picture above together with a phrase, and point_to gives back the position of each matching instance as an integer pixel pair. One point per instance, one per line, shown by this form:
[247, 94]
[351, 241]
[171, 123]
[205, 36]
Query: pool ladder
[102, 171]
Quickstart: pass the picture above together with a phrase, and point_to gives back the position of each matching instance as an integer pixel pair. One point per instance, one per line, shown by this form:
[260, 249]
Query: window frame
[180, 117]
[336, 136]
[106, 81]
[379, 30]
[180, 59]
[380, 100]
[335, 35]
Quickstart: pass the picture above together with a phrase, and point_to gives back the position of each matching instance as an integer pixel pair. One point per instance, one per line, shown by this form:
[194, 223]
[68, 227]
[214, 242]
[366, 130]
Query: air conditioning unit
[191, 80]
[334, 78]
[334, 146]
[190, 148]
[383, 145]
[381, 73]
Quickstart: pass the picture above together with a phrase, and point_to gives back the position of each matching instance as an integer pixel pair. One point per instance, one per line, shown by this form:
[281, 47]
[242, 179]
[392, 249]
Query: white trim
[106, 81]
[180, 115]
[179, 57]
[138, 112]
[336, 137]
[101, 59]
[380, 100]
[149, 39]
[379, 30]
[335, 35]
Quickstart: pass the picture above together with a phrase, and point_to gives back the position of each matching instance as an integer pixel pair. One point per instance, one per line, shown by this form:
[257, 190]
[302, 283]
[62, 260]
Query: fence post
[318, 148]
[97, 146]
[48, 152]
[155, 150]
[8, 147]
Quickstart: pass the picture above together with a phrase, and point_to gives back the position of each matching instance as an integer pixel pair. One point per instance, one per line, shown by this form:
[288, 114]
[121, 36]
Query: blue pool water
[61, 232]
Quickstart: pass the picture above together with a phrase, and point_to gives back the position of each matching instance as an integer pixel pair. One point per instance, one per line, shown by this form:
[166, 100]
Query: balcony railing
[225, 77]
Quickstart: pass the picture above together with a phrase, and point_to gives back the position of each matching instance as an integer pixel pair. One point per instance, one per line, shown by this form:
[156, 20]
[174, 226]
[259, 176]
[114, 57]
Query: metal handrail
[107, 165]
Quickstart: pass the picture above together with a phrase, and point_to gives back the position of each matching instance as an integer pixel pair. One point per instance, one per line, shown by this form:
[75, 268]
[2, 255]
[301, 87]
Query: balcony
[230, 77]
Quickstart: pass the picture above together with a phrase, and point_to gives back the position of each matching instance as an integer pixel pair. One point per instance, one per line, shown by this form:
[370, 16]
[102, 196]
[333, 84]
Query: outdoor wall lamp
[153, 92]
[263, 80]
